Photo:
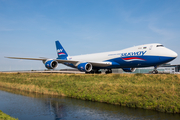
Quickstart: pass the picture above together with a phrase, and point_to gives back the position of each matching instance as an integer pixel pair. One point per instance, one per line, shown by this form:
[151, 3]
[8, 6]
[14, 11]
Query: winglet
[60, 51]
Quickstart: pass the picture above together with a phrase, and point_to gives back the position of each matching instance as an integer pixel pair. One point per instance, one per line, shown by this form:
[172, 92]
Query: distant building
[177, 67]
[165, 68]
[170, 70]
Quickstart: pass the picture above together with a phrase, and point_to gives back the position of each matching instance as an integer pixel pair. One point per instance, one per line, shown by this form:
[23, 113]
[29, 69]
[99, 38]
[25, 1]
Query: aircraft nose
[174, 54]
[170, 53]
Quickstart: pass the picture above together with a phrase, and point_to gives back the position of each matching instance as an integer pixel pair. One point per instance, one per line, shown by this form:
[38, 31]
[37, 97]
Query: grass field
[4, 116]
[156, 92]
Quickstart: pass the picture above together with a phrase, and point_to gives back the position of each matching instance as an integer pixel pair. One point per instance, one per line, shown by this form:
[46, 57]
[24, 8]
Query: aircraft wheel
[155, 72]
[91, 72]
[97, 71]
[109, 71]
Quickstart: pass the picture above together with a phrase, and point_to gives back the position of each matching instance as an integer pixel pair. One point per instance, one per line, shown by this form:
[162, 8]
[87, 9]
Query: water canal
[31, 106]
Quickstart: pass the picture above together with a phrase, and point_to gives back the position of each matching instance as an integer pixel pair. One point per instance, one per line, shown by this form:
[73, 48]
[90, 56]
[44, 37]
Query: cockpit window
[160, 46]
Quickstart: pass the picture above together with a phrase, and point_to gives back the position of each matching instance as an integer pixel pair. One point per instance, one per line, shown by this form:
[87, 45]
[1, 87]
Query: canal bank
[156, 92]
[4, 116]
[32, 106]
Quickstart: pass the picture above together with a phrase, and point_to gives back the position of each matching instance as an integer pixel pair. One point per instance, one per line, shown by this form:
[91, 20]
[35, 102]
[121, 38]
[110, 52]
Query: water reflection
[57, 109]
[25, 105]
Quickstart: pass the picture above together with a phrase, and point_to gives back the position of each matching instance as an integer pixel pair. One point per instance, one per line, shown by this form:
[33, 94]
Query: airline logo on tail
[60, 52]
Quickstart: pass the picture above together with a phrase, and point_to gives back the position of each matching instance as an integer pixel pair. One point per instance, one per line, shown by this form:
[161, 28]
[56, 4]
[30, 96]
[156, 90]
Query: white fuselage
[151, 50]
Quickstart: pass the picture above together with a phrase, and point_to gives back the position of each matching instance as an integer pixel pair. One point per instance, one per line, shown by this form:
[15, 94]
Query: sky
[29, 28]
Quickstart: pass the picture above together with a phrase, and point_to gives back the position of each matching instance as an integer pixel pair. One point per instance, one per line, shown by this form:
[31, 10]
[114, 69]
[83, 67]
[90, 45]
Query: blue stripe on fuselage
[149, 61]
[120, 63]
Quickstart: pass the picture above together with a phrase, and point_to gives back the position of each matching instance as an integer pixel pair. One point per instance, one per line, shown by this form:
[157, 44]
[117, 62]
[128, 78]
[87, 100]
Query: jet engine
[129, 69]
[85, 67]
[50, 64]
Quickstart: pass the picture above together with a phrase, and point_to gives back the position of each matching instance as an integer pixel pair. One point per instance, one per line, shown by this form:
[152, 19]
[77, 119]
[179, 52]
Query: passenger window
[159, 46]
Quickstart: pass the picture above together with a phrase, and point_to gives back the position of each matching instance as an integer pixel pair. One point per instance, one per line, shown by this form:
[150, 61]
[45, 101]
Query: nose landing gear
[155, 71]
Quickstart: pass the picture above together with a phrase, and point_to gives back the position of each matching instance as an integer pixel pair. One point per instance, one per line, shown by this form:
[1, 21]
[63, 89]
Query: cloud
[168, 34]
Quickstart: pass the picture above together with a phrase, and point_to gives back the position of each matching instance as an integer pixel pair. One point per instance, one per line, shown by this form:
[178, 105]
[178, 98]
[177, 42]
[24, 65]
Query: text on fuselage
[139, 53]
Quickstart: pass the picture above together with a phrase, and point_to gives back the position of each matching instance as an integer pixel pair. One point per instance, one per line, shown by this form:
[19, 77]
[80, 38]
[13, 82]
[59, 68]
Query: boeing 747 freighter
[128, 59]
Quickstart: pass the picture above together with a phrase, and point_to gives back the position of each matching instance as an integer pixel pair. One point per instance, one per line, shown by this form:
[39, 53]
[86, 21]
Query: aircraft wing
[75, 62]
[27, 58]
[101, 64]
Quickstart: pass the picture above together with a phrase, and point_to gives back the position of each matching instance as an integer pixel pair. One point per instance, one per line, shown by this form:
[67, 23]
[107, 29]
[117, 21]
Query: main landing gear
[96, 71]
[108, 71]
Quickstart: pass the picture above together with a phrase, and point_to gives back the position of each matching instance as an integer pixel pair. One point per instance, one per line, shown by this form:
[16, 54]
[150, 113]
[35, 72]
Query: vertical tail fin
[60, 51]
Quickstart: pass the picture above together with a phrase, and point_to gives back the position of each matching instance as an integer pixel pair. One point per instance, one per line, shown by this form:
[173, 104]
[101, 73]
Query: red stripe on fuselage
[132, 58]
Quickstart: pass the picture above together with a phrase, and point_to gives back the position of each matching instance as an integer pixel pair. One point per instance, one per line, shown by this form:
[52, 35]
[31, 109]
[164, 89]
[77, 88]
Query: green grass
[156, 92]
[4, 116]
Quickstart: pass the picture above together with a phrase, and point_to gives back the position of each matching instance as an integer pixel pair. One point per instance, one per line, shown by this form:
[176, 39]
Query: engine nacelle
[129, 69]
[50, 64]
[85, 67]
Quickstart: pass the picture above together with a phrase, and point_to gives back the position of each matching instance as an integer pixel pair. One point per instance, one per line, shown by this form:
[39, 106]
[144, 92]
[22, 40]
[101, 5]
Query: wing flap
[101, 64]
[68, 61]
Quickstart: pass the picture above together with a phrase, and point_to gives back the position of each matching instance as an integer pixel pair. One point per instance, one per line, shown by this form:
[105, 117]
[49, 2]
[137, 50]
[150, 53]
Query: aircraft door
[150, 48]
